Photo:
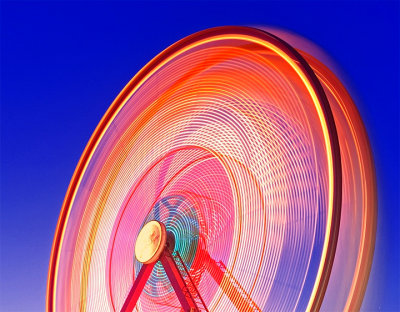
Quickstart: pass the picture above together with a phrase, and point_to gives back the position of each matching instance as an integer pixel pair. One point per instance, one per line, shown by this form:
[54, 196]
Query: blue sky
[62, 64]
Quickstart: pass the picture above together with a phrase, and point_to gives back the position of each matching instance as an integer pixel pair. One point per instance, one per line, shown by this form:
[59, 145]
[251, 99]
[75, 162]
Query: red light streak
[235, 122]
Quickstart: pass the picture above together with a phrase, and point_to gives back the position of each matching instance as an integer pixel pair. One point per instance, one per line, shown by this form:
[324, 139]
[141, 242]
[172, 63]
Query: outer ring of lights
[326, 118]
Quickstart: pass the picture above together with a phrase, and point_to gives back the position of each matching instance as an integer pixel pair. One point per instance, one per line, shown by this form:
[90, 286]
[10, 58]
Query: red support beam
[177, 282]
[137, 287]
[236, 294]
[174, 276]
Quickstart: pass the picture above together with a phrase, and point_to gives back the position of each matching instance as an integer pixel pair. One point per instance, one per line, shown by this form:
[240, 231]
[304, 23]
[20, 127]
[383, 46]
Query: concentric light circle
[227, 137]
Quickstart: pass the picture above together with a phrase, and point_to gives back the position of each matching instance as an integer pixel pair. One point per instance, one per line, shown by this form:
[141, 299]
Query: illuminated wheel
[255, 161]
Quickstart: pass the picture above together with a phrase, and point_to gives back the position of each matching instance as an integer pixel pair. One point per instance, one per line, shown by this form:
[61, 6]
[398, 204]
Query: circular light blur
[228, 139]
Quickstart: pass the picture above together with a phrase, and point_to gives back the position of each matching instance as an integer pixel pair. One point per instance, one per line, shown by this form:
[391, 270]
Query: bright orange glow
[226, 137]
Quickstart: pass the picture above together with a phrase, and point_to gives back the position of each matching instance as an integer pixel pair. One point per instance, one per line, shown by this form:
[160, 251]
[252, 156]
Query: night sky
[63, 63]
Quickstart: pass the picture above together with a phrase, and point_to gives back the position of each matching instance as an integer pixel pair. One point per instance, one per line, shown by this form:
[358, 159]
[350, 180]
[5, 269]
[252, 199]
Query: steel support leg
[137, 287]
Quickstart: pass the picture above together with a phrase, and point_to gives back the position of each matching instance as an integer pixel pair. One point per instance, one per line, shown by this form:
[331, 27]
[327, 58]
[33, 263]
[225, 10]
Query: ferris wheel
[232, 173]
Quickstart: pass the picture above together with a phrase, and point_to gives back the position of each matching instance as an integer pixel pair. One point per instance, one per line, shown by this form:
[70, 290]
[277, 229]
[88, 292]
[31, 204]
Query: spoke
[157, 211]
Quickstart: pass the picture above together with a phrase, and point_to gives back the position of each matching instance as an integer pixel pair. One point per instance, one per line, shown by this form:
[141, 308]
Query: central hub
[150, 242]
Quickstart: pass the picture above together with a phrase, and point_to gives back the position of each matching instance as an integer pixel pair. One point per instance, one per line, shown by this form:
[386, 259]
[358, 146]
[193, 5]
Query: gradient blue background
[62, 64]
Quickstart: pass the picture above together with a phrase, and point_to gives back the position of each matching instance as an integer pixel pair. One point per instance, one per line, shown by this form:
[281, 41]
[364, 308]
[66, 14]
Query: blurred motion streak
[252, 154]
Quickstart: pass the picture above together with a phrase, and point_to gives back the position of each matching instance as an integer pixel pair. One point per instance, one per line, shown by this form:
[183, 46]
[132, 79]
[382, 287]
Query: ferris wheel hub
[150, 242]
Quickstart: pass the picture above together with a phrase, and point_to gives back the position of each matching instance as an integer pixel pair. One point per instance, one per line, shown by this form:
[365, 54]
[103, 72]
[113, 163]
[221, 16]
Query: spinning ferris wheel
[232, 173]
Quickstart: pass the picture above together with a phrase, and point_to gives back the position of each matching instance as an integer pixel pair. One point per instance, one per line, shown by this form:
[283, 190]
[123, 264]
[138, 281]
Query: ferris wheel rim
[140, 77]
